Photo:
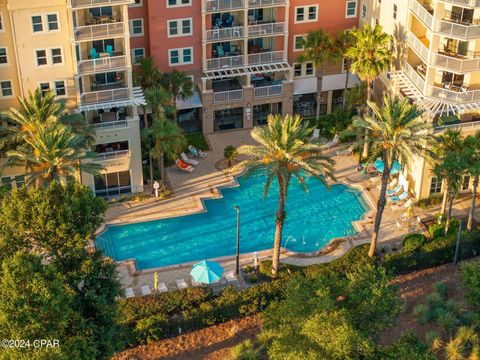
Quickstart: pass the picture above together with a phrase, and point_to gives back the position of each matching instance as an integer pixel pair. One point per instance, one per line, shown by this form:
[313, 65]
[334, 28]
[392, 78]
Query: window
[364, 11]
[1, 22]
[44, 88]
[180, 56]
[465, 182]
[60, 89]
[306, 13]
[305, 69]
[3, 56]
[298, 43]
[179, 27]
[178, 3]
[37, 23]
[395, 11]
[41, 57]
[137, 55]
[57, 56]
[351, 10]
[6, 88]
[309, 69]
[297, 70]
[435, 185]
[136, 27]
[138, 3]
[52, 20]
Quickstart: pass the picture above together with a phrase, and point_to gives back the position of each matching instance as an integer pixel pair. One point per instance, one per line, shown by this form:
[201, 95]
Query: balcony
[265, 3]
[455, 62]
[100, 31]
[267, 57]
[231, 33]
[219, 5]
[102, 64]
[112, 155]
[94, 97]
[112, 150]
[414, 76]
[457, 30]
[267, 29]
[465, 126]
[78, 4]
[225, 62]
[468, 3]
[423, 12]
[227, 96]
[417, 44]
[268, 91]
[455, 95]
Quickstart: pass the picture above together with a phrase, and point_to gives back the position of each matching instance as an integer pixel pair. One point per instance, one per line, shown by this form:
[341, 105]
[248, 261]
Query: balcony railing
[462, 126]
[227, 96]
[414, 77]
[265, 57]
[262, 3]
[470, 3]
[111, 155]
[90, 3]
[453, 96]
[104, 96]
[266, 91]
[102, 64]
[216, 5]
[455, 64]
[422, 13]
[225, 33]
[457, 30]
[418, 46]
[111, 125]
[92, 32]
[266, 29]
[225, 62]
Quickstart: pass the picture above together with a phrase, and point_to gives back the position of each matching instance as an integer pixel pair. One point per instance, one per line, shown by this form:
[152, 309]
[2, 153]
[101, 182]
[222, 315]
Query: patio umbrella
[396, 167]
[206, 272]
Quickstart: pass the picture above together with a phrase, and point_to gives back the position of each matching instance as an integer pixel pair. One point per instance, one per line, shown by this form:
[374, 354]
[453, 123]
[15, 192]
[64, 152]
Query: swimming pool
[313, 219]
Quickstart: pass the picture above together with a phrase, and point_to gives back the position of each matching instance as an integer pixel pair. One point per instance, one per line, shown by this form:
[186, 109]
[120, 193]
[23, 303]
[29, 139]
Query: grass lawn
[198, 140]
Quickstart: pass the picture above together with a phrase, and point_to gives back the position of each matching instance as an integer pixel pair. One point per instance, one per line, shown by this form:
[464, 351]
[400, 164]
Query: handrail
[261, 3]
[227, 96]
[225, 62]
[453, 96]
[471, 3]
[414, 77]
[88, 3]
[266, 29]
[93, 97]
[215, 5]
[111, 155]
[463, 126]
[268, 90]
[111, 124]
[102, 64]
[89, 32]
[418, 45]
[225, 33]
[265, 57]
[422, 13]
[455, 64]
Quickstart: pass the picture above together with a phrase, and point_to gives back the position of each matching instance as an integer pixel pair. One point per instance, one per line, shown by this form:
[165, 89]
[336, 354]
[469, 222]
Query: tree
[319, 47]
[397, 133]
[344, 41]
[283, 152]
[147, 76]
[472, 164]
[230, 153]
[168, 141]
[356, 98]
[177, 84]
[370, 57]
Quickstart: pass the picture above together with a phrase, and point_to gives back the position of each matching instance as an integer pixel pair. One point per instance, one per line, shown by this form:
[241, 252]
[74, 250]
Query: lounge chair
[196, 152]
[392, 183]
[195, 283]
[94, 54]
[395, 190]
[315, 135]
[230, 276]
[332, 143]
[145, 290]
[162, 287]
[402, 196]
[181, 284]
[184, 166]
[187, 160]
[109, 50]
[129, 293]
[345, 152]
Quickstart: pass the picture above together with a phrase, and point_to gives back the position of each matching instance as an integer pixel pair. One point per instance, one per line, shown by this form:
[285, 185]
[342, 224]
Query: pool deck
[204, 182]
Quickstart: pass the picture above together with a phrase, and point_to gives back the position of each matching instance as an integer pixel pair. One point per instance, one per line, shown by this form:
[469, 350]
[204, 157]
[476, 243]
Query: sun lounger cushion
[145, 290]
[187, 160]
[184, 166]
[182, 284]
[129, 293]
[162, 287]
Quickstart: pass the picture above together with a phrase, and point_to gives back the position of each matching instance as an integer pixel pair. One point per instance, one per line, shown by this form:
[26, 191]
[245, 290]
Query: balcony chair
[94, 54]
[109, 50]
[220, 51]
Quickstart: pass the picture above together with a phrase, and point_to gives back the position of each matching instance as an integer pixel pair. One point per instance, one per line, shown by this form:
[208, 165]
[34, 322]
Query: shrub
[432, 200]
[437, 230]
[471, 280]
[407, 347]
[413, 242]
[422, 313]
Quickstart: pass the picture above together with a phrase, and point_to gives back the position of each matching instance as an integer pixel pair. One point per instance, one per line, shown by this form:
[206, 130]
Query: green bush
[437, 230]
[471, 280]
[413, 242]
[198, 140]
[432, 200]
[407, 347]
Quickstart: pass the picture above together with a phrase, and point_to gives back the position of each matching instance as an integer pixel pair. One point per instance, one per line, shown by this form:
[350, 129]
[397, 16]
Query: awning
[337, 81]
[224, 73]
[192, 102]
[305, 86]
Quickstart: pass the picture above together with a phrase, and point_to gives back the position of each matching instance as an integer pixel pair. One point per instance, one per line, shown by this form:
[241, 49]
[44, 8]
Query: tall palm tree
[397, 133]
[345, 40]
[168, 141]
[283, 152]
[449, 141]
[146, 75]
[319, 47]
[472, 165]
[370, 57]
[177, 84]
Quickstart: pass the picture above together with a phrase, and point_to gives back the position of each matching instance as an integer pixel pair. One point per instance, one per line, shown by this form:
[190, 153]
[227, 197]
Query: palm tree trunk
[369, 98]
[344, 104]
[472, 206]
[161, 162]
[319, 93]
[145, 118]
[382, 199]
[279, 220]
[445, 198]
[449, 213]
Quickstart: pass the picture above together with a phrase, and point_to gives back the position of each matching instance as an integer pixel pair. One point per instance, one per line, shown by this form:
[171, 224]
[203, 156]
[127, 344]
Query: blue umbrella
[206, 272]
[396, 167]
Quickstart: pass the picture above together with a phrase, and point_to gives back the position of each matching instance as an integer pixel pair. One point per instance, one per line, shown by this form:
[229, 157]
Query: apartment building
[242, 56]
[80, 49]
[437, 44]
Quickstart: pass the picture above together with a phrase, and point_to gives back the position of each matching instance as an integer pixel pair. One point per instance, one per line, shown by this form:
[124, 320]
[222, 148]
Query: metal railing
[91, 32]
[414, 77]
[266, 29]
[265, 57]
[269, 90]
[471, 3]
[422, 13]
[216, 5]
[225, 33]
[227, 96]
[457, 30]
[94, 97]
[102, 64]
[417, 45]
[455, 64]
[261, 3]
[111, 125]
[88, 3]
[111, 155]
[453, 96]
[461, 126]
[225, 62]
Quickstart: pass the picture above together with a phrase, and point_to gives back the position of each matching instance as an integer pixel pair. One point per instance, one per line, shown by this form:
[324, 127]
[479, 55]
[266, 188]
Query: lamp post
[237, 255]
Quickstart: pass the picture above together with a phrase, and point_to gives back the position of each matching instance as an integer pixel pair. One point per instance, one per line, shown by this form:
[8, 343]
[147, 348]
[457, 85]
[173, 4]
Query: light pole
[237, 256]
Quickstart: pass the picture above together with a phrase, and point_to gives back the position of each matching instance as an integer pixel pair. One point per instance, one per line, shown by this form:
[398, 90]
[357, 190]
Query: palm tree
[230, 153]
[397, 133]
[168, 141]
[320, 47]
[177, 84]
[283, 152]
[146, 75]
[345, 40]
[370, 57]
[356, 98]
[472, 164]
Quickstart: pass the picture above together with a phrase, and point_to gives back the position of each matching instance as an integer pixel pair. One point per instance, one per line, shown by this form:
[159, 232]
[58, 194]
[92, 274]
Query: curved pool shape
[313, 219]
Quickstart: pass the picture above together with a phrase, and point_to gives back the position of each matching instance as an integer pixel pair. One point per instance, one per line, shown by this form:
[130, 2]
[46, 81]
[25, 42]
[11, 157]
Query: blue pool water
[313, 219]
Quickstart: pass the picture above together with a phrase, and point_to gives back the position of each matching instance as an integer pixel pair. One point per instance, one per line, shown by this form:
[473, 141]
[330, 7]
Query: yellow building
[437, 51]
[80, 50]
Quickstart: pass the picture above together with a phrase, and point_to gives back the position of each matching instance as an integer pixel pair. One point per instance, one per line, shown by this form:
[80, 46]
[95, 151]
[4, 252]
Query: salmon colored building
[242, 56]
